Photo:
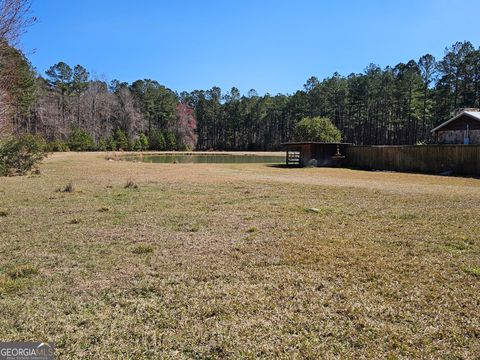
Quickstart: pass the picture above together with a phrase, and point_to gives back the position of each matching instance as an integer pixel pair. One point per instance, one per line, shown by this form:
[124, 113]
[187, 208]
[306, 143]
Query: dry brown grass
[224, 261]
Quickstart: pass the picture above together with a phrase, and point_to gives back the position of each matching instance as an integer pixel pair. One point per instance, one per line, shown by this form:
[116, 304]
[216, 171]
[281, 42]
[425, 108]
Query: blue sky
[271, 46]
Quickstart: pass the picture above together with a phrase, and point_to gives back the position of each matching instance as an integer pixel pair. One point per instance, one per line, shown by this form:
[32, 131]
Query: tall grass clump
[69, 188]
[143, 249]
[131, 184]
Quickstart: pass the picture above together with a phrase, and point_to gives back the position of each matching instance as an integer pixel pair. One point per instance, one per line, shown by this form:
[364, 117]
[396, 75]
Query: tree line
[393, 105]
[68, 107]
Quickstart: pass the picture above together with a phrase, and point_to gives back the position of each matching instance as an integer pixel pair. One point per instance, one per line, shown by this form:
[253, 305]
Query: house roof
[473, 114]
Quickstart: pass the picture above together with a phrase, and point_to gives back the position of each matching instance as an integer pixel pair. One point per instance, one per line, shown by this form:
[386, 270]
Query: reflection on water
[207, 158]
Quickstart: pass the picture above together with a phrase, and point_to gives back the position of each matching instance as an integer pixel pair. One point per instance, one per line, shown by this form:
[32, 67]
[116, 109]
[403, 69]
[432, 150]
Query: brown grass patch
[385, 269]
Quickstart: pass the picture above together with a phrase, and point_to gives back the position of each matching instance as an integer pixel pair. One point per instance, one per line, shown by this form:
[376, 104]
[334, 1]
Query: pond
[207, 158]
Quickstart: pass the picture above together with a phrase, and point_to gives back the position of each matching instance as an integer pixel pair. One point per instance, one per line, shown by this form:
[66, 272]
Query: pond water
[207, 158]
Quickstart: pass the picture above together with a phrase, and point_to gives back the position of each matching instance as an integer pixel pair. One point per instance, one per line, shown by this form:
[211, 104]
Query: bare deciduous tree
[15, 18]
[129, 117]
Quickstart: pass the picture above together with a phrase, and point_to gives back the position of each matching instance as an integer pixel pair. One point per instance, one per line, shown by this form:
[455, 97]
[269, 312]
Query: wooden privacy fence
[459, 159]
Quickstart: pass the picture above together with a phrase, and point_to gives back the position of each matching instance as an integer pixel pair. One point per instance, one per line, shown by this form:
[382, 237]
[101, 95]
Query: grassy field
[227, 261]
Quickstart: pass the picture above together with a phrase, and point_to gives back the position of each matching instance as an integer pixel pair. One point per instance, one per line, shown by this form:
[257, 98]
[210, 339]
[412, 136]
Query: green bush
[57, 146]
[20, 155]
[317, 129]
[80, 140]
[121, 140]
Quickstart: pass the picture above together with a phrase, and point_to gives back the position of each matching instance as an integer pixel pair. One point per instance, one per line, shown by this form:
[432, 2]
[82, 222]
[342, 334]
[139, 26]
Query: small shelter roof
[314, 143]
[472, 114]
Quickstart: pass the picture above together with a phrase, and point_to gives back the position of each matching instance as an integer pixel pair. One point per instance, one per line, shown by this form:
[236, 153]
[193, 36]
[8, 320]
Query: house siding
[457, 136]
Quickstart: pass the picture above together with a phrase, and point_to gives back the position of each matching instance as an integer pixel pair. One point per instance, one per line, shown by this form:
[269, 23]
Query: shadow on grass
[284, 166]
[445, 174]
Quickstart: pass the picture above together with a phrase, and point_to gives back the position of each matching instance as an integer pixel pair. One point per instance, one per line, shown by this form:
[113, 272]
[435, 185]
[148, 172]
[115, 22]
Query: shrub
[317, 129]
[57, 146]
[20, 155]
[80, 140]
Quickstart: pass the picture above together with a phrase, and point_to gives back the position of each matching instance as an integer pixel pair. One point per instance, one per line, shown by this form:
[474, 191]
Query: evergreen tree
[121, 140]
[143, 140]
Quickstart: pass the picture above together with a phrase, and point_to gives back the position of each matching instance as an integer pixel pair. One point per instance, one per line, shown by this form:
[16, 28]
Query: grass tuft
[112, 156]
[3, 213]
[253, 229]
[143, 249]
[193, 228]
[475, 271]
[69, 188]
[320, 210]
[21, 271]
[104, 209]
[7, 284]
[131, 185]
[75, 221]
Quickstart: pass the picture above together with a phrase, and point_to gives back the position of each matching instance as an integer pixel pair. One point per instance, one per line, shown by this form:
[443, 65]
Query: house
[315, 153]
[463, 128]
